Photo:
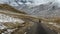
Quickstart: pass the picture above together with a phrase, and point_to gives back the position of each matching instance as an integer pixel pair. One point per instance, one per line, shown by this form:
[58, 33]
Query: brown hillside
[10, 8]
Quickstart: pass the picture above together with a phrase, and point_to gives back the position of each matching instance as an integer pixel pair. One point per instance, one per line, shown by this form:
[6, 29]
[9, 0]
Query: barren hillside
[23, 21]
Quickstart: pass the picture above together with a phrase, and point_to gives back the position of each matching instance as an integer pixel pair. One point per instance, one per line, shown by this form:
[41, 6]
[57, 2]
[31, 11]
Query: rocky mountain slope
[12, 22]
[49, 8]
[49, 11]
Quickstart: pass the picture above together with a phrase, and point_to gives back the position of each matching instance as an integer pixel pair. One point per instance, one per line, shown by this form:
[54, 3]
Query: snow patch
[51, 23]
[2, 26]
[13, 4]
[5, 18]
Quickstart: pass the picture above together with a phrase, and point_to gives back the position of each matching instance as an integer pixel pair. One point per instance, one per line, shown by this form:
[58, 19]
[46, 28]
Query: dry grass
[27, 18]
[10, 8]
[55, 23]
[52, 19]
[21, 28]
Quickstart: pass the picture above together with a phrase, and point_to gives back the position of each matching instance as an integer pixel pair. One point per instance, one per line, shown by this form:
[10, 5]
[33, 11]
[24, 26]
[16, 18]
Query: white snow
[2, 1]
[35, 2]
[2, 26]
[5, 18]
[51, 23]
[13, 4]
[20, 2]
[3, 33]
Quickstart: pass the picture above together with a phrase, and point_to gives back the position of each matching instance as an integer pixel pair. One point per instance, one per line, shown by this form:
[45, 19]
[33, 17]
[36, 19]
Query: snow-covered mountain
[36, 7]
[26, 2]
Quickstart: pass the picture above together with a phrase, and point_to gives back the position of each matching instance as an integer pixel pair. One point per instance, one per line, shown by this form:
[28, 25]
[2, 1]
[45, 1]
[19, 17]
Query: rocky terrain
[14, 21]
